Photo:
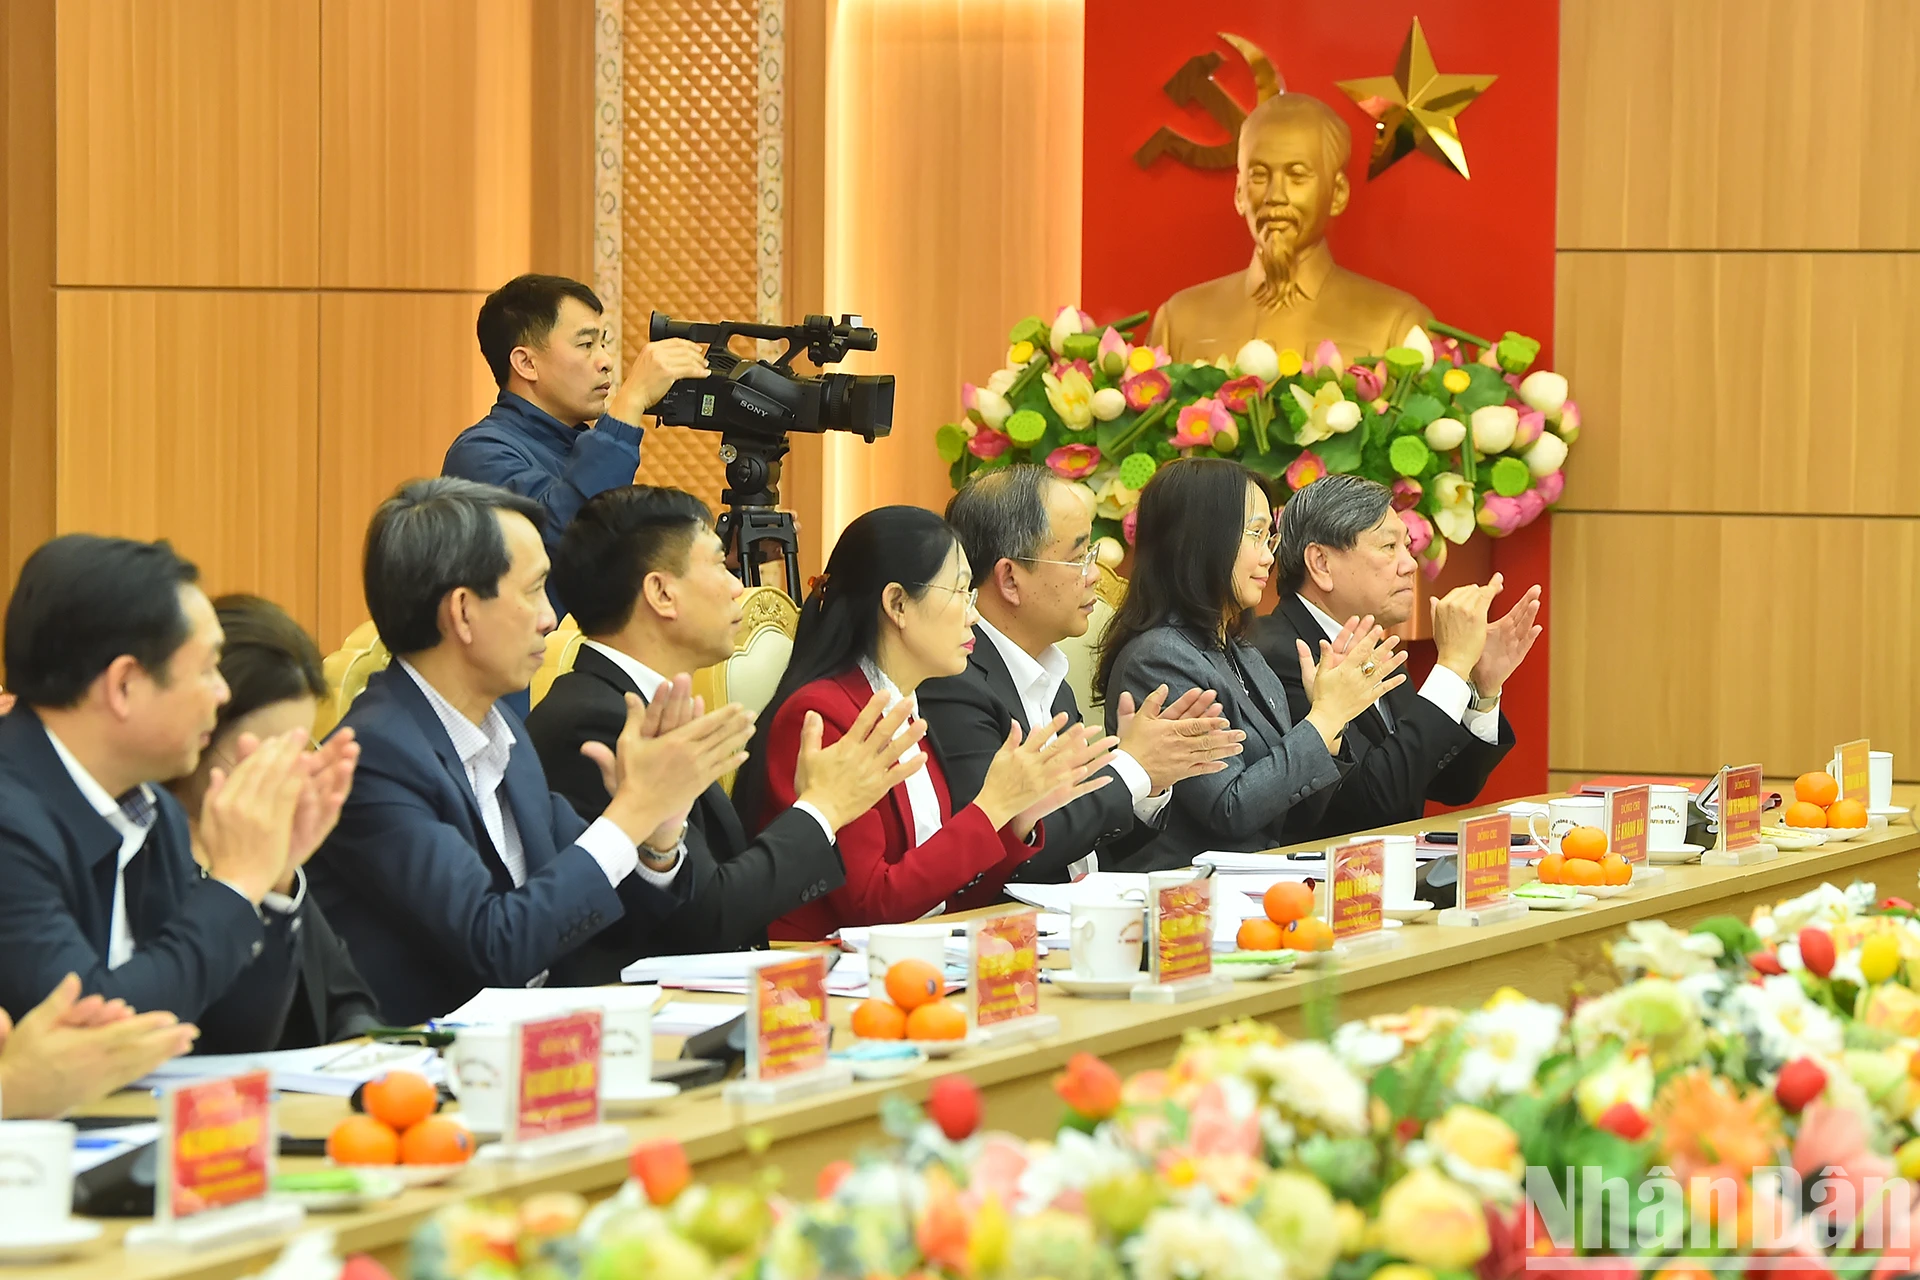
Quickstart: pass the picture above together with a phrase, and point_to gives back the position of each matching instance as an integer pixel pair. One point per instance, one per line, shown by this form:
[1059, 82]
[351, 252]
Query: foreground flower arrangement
[1745, 1101]
[1463, 429]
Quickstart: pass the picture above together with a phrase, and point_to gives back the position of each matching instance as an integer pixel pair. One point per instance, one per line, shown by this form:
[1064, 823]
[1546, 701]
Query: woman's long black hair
[840, 618]
[1193, 514]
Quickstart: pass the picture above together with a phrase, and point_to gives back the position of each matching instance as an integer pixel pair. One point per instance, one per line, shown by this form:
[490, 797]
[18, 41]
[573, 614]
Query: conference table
[1547, 955]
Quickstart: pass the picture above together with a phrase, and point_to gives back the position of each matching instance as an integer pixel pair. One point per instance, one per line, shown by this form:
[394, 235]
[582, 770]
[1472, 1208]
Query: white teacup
[1106, 939]
[1566, 813]
[1398, 888]
[1879, 778]
[887, 943]
[626, 1047]
[36, 1175]
[477, 1070]
[1667, 809]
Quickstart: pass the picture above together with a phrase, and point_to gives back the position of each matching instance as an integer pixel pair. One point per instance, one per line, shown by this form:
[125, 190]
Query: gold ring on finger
[1368, 667]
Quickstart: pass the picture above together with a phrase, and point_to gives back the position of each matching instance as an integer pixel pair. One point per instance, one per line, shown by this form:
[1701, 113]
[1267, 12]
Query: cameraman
[560, 433]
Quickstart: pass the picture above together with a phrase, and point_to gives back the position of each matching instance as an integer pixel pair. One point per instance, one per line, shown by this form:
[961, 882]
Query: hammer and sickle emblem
[1193, 84]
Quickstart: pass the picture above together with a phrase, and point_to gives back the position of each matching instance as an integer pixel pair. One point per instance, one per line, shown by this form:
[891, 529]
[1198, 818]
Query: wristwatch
[650, 855]
[1481, 702]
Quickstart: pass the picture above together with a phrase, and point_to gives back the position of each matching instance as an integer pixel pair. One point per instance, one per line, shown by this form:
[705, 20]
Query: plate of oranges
[399, 1135]
[1287, 923]
[1818, 809]
[914, 1009]
[1585, 862]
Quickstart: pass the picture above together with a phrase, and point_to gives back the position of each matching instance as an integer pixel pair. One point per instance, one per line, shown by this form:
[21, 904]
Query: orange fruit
[1584, 842]
[939, 1020]
[1551, 869]
[363, 1140]
[1816, 788]
[1309, 933]
[879, 1020]
[1615, 869]
[912, 983]
[1846, 813]
[1804, 813]
[436, 1140]
[1582, 871]
[1257, 935]
[400, 1099]
[1287, 901]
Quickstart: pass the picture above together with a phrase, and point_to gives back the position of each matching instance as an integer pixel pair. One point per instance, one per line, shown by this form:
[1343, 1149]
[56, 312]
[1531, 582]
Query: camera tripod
[753, 519]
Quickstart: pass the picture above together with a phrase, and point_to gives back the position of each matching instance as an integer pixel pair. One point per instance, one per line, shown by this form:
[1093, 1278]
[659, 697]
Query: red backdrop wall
[1478, 252]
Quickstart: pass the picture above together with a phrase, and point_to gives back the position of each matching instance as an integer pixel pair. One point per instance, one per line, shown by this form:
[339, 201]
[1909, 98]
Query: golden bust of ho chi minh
[1292, 182]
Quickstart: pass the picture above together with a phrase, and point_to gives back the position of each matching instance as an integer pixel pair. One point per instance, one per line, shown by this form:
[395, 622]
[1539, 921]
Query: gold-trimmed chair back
[563, 646]
[347, 670]
[769, 621]
[1083, 652]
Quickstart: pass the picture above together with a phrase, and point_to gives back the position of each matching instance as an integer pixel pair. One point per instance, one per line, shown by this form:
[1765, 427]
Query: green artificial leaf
[1000, 463]
[957, 473]
[1510, 477]
[1342, 452]
[1163, 450]
[1203, 379]
[950, 441]
[1409, 455]
[1273, 463]
[1485, 387]
[1107, 527]
[1349, 1166]
[1390, 1087]
[1361, 1267]
[1108, 435]
[1418, 410]
[1032, 329]
[1861, 1036]
[1736, 939]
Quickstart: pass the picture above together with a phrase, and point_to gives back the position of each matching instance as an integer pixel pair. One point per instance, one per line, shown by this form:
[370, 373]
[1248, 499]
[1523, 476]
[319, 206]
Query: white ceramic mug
[1106, 939]
[1879, 778]
[1667, 810]
[477, 1069]
[36, 1175]
[887, 943]
[1398, 888]
[626, 1047]
[1566, 813]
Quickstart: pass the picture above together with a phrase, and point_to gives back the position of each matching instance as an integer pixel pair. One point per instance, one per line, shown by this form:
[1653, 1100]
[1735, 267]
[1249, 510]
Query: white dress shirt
[648, 681]
[1443, 688]
[922, 799]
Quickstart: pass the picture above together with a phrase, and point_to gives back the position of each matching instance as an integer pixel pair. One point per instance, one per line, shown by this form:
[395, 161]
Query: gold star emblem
[1415, 107]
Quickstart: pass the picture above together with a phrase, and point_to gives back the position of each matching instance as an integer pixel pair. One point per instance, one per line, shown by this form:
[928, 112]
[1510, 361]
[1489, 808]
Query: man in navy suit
[454, 867]
[113, 651]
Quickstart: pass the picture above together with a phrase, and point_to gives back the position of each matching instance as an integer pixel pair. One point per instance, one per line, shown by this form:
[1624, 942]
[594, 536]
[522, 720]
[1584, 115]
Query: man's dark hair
[619, 537]
[83, 601]
[1002, 515]
[1332, 511]
[429, 538]
[522, 313]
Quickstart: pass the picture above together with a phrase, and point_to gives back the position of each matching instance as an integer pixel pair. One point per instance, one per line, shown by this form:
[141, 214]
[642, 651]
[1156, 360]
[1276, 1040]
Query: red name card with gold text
[1856, 758]
[1181, 927]
[1486, 861]
[787, 1016]
[1356, 875]
[218, 1149]
[1627, 810]
[557, 1083]
[1741, 798]
[1005, 982]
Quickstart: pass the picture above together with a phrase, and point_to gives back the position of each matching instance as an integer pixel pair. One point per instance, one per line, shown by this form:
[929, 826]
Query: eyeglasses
[970, 594]
[1271, 538]
[1085, 564]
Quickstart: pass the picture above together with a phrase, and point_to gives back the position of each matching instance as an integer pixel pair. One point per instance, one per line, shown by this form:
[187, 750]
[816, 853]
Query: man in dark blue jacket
[560, 433]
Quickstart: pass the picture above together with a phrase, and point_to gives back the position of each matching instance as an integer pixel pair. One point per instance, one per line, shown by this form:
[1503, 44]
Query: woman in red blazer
[895, 607]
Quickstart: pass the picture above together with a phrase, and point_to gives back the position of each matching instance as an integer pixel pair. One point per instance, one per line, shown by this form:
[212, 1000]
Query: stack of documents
[332, 1069]
[498, 1006]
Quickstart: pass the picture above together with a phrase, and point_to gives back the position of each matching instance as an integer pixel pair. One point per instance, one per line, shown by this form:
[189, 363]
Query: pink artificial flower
[968, 396]
[1832, 1143]
[1214, 1128]
[1513, 380]
[1532, 506]
[1368, 383]
[1144, 390]
[1550, 486]
[1568, 428]
[1200, 422]
[1239, 394]
[1113, 353]
[1406, 496]
[1325, 356]
[1435, 559]
[996, 1168]
[1500, 516]
[1532, 423]
[1419, 532]
[1448, 349]
[1060, 368]
[988, 443]
[1129, 523]
[1305, 469]
[1074, 461]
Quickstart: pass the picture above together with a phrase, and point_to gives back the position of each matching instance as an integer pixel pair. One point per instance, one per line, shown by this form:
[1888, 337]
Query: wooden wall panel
[1744, 382]
[26, 280]
[188, 142]
[1737, 124]
[190, 415]
[400, 377]
[426, 125]
[1668, 658]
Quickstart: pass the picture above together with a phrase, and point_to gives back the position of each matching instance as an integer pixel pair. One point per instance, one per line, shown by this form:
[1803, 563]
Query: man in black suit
[113, 651]
[648, 581]
[1028, 536]
[1343, 553]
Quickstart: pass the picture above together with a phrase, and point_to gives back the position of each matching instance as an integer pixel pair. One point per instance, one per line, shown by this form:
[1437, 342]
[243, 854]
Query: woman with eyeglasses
[1204, 550]
[273, 672]
[895, 607]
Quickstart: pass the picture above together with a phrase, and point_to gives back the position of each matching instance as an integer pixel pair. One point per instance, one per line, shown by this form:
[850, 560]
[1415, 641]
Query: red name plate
[1627, 811]
[1855, 759]
[1182, 929]
[1357, 877]
[1486, 861]
[1740, 799]
[787, 1009]
[1006, 968]
[219, 1146]
[557, 1084]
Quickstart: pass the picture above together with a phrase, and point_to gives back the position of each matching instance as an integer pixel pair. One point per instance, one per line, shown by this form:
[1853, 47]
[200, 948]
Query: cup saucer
[1098, 988]
[47, 1241]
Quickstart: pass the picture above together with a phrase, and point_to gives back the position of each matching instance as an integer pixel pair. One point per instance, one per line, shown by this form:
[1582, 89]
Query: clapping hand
[1508, 643]
[1176, 741]
[1345, 683]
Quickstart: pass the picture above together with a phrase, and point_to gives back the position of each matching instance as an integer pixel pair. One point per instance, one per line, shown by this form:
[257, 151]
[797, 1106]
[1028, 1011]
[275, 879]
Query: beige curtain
[952, 210]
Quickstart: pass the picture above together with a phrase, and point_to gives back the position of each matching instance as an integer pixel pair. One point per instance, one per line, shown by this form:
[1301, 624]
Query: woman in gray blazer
[1203, 555]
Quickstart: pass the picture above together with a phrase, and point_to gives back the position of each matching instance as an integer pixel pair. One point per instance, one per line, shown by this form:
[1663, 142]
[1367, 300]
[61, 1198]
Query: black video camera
[765, 402]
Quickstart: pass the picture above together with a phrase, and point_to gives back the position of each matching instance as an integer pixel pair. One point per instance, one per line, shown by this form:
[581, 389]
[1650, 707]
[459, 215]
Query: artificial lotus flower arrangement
[1466, 432]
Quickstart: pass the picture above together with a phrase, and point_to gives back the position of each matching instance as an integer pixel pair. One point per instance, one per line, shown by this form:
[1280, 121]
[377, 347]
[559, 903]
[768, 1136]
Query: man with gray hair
[1028, 536]
[1343, 554]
